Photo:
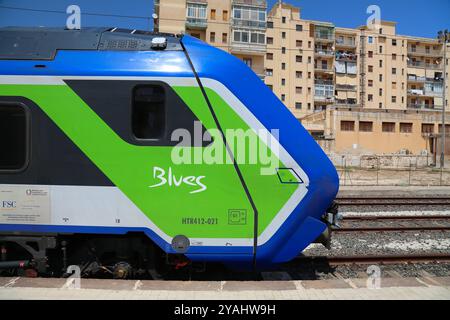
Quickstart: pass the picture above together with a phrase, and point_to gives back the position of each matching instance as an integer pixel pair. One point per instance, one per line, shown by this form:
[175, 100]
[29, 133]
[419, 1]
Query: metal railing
[199, 23]
[346, 87]
[421, 64]
[243, 23]
[423, 106]
[390, 170]
[324, 82]
[326, 68]
[346, 42]
[324, 36]
[423, 52]
[323, 52]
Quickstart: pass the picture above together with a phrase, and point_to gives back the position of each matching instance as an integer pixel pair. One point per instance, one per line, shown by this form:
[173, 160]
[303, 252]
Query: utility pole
[444, 37]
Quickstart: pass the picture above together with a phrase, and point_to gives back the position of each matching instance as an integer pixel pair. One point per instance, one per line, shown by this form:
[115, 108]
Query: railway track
[378, 259]
[392, 201]
[394, 224]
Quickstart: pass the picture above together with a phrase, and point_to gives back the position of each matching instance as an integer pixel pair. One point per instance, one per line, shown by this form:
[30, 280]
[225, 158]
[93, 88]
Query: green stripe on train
[130, 167]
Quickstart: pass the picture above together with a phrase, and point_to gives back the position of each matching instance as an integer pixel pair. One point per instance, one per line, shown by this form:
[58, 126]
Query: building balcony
[196, 23]
[324, 53]
[346, 56]
[425, 53]
[248, 48]
[323, 68]
[423, 65]
[324, 37]
[251, 3]
[422, 106]
[249, 24]
[351, 103]
[345, 43]
[323, 99]
[424, 93]
[417, 79]
[346, 87]
[324, 82]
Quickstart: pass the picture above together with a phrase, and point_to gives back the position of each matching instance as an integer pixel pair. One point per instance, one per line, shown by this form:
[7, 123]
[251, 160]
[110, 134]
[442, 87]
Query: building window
[394, 70]
[370, 40]
[148, 112]
[269, 24]
[370, 83]
[309, 75]
[283, 19]
[224, 38]
[370, 97]
[406, 127]
[196, 11]
[269, 40]
[299, 27]
[381, 63]
[248, 62]
[380, 77]
[298, 90]
[299, 59]
[269, 72]
[380, 92]
[309, 106]
[394, 99]
[388, 127]
[283, 50]
[309, 90]
[380, 105]
[299, 43]
[394, 42]
[283, 66]
[370, 68]
[298, 105]
[269, 56]
[427, 128]
[225, 15]
[283, 97]
[447, 128]
[213, 14]
[309, 60]
[309, 44]
[270, 87]
[283, 82]
[299, 74]
[14, 133]
[381, 49]
[347, 125]
[249, 37]
[394, 56]
[394, 85]
[212, 37]
[365, 126]
[370, 54]
[283, 35]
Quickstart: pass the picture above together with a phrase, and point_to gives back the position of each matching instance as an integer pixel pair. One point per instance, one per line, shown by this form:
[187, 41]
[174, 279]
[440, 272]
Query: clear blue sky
[414, 17]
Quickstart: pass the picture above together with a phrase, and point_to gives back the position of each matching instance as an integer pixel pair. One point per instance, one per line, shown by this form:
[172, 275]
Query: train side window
[14, 133]
[148, 112]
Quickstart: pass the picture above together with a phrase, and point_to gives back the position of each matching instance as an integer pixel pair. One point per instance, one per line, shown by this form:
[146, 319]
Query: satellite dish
[154, 16]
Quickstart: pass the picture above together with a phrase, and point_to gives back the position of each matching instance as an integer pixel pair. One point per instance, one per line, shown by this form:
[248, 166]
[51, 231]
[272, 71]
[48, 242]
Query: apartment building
[319, 70]
[236, 26]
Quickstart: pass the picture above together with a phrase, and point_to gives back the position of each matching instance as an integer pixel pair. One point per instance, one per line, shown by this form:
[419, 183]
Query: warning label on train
[24, 204]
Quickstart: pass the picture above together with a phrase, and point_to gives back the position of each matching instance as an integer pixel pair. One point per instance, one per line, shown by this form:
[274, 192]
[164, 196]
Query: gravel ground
[382, 243]
[379, 210]
[325, 272]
